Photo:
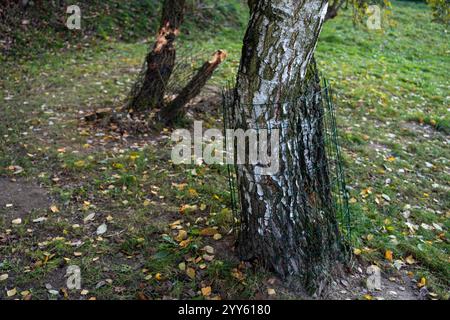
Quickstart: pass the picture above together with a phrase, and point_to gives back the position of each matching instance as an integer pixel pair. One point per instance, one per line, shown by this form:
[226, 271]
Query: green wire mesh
[334, 162]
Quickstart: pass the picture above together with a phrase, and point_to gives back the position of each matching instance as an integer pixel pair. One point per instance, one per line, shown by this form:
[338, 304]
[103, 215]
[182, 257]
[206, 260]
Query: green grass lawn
[391, 90]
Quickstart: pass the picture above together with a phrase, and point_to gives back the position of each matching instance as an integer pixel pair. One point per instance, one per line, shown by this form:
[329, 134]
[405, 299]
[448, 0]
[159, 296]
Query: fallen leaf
[356, 251]
[54, 209]
[102, 229]
[208, 232]
[84, 292]
[3, 277]
[184, 243]
[398, 264]
[271, 292]
[191, 273]
[410, 260]
[186, 209]
[193, 193]
[89, 217]
[206, 291]
[422, 282]
[25, 293]
[208, 249]
[208, 258]
[388, 255]
[182, 235]
[80, 163]
[217, 236]
[17, 221]
[11, 293]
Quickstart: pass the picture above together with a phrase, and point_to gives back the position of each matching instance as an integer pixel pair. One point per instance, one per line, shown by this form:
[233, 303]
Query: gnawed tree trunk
[192, 89]
[160, 62]
[287, 221]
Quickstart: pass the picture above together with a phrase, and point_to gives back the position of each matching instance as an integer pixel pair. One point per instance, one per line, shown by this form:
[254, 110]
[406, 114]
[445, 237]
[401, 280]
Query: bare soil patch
[18, 198]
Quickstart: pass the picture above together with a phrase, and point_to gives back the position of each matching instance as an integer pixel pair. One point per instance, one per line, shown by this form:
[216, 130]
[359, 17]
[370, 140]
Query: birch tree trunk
[288, 220]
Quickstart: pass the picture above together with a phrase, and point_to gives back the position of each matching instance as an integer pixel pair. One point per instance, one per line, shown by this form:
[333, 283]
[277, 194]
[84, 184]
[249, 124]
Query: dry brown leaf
[206, 291]
[207, 232]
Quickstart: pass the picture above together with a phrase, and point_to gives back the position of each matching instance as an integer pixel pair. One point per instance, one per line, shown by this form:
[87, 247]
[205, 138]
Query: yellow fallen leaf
[410, 260]
[186, 209]
[368, 297]
[208, 232]
[147, 203]
[84, 292]
[356, 251]
[182, 266]
[206, 291]
[117, 165]
[388, 255]
[158, 276]
[182, 235]
[191, 273]
[271, 292]
[25, 293]
[184, 243]
[54, 209]
[352, 200]
[3, 277]
[422, 282]
[11, 293]
[237, 274]
[390, 159]
[193, 193]
[217, 236]
[79, 163]
[175, 223]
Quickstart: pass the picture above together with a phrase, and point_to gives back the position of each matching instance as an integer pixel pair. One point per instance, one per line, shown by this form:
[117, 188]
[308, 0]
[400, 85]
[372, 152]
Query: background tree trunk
[288, 221]
[148, 92]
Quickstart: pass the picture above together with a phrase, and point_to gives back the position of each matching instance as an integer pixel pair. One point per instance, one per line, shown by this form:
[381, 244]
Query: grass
[391, 90]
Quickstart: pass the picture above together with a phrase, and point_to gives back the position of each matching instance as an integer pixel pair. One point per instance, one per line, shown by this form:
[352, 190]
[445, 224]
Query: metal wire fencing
[333, 166]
